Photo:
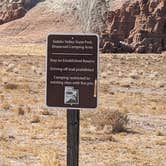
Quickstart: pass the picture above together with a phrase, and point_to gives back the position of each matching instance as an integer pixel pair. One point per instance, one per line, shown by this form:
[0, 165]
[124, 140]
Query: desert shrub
[5, 106]
[20, 111]
[117, 121]
[49, 158]
[11, 86]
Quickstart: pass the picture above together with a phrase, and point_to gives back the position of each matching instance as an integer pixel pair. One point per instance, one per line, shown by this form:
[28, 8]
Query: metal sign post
[72, 81]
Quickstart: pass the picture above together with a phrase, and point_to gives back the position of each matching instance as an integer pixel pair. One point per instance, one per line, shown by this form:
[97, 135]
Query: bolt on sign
[72, 70]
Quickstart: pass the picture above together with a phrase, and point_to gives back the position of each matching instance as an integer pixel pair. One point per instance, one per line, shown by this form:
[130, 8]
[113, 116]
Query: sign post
[73, 120]
[72, 81]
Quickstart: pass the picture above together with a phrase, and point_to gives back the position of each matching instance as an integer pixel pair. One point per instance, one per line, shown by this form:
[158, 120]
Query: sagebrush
[116, 120]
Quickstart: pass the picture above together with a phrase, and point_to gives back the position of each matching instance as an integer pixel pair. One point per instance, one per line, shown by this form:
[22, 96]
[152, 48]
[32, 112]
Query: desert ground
[31, 134]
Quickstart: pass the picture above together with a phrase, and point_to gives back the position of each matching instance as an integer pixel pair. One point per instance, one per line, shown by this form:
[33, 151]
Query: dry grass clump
[159, 133]
[20, 111]
[3, 138]
[11, 86]
[49, 158]
[5, 106]
[113, 120]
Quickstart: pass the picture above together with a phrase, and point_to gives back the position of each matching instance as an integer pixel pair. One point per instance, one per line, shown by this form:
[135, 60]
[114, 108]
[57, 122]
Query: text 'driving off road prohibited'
[72, 67]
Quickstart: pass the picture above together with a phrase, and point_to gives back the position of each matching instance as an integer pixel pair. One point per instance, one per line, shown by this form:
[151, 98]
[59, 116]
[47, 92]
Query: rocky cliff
[14, 9]
[123, 25]
[139, 26]
[132, 26]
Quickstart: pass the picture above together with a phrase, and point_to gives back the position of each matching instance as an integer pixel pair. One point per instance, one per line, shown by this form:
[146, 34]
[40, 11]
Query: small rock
[5, 79]
[33, 68]
[104, 75]
[134, 75]
[11, 137]
[160, 84]
[126, 83]
[10, 67]
[5, 63]
[120, 74]
[153, 75]
[15, 70]
[35, 119]
[21, 111]
[45, 112]
[159, 133]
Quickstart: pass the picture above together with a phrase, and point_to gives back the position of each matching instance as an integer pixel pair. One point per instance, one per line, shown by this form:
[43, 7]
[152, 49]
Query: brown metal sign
[72, 70]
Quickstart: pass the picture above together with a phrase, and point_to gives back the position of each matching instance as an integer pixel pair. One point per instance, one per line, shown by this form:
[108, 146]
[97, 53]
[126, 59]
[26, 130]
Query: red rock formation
[14, 9]
[141, 25]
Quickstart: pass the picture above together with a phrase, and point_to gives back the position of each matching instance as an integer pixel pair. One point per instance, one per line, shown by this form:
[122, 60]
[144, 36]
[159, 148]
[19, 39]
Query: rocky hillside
[123, 25]
[93, 13]
[139, 26]
[132, 26]
[14, 9]
[45, 17]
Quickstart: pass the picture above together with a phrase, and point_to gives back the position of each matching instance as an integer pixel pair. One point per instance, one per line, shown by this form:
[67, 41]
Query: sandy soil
[31, 134]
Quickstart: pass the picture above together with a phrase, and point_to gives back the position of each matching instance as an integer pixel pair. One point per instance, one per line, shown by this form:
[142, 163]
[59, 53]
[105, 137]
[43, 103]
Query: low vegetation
[29, 130]
[114, 120]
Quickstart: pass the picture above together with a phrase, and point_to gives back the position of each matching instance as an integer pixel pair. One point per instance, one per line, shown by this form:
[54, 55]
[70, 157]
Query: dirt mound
[136, 27]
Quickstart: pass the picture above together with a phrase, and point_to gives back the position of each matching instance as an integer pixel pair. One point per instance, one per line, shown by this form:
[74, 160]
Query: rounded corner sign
[72, 70]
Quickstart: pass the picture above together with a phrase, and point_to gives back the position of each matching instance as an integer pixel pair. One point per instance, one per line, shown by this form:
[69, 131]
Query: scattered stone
[15, 70]
[126, 83]
[5, 63]
[153, 75]
[120, 74]
[33, 68]
[160, 84]
[11, 137]
[159, 133]
[21, 111]
[10, 67]
[45, 112]
[5, 80]
[104, 75]
[134, 75]
[35, 119]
